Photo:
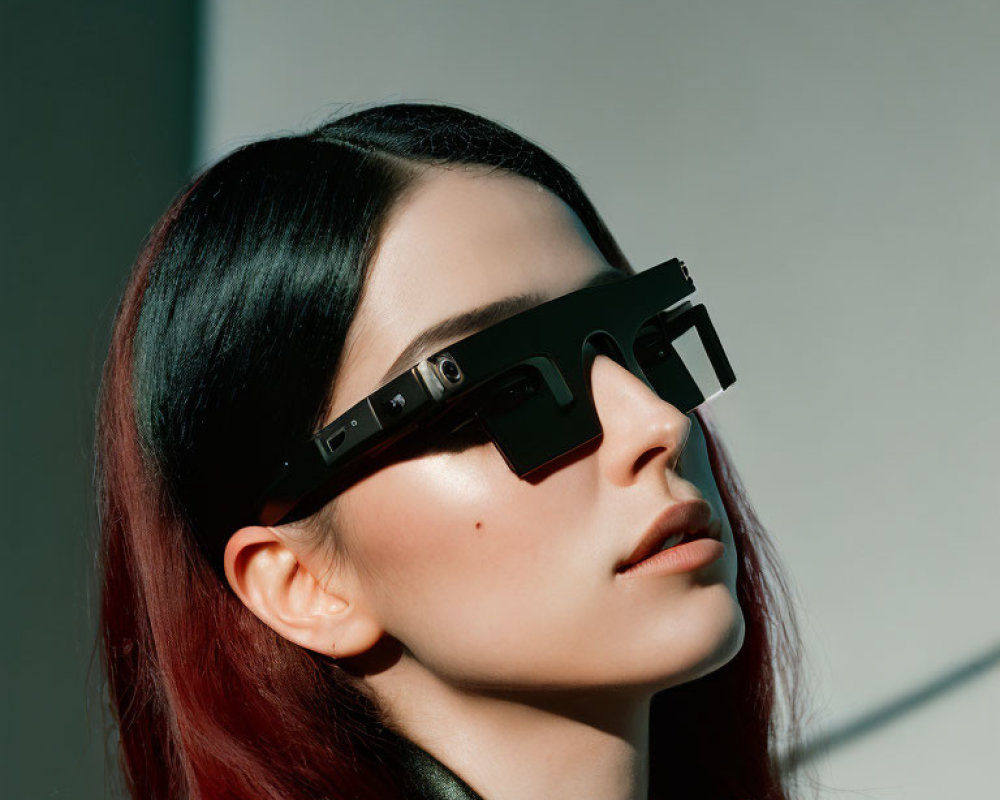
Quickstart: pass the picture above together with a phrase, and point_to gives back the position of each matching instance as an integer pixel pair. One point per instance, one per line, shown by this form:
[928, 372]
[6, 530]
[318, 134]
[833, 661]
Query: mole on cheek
[478, 525]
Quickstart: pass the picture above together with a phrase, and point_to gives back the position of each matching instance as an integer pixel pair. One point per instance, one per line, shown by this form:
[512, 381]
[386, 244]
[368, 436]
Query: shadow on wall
[890, 711]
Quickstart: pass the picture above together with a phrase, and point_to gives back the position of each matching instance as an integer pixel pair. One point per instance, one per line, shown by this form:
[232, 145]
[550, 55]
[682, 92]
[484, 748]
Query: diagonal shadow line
[887, 712]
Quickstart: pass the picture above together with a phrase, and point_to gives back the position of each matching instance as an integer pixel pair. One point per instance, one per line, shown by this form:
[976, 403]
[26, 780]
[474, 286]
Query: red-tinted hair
[209, 702]
[212, 704]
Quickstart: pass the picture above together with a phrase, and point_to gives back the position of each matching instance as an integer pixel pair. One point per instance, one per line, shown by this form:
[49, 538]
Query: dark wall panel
[98, 110]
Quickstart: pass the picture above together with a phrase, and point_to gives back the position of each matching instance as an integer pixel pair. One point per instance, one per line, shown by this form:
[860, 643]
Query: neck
[524, 745]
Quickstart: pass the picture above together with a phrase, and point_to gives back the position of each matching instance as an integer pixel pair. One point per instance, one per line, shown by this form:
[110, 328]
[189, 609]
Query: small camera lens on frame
[449, 369]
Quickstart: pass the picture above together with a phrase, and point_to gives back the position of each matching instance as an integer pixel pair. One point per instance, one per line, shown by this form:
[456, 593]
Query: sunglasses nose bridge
[601, 343]
[605, 344]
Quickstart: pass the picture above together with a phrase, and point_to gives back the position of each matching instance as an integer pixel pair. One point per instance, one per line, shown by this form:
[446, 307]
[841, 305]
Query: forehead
[462, 238]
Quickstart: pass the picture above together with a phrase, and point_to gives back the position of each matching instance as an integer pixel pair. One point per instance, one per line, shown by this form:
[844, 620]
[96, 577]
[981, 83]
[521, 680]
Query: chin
[711, 642]
[722, 643]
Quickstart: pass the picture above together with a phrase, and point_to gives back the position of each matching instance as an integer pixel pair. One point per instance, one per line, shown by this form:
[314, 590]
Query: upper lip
[690, 516]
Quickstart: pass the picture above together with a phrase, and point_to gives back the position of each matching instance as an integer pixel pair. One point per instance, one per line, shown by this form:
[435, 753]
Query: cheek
[442, 528]
[463, 561]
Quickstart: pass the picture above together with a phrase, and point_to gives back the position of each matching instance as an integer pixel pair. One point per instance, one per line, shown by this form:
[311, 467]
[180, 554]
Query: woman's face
[488, 580]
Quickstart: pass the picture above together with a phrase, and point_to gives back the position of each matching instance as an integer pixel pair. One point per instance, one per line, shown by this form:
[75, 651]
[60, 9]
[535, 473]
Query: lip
[690, 516]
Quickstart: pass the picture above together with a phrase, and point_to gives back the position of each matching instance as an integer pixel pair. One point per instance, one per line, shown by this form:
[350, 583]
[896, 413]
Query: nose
[642, 432]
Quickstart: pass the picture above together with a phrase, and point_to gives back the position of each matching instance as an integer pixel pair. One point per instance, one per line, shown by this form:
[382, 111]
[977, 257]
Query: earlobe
[275, 577]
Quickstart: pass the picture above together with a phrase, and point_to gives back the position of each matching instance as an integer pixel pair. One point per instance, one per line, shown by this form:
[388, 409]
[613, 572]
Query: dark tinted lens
[529, 425]
[511, 392]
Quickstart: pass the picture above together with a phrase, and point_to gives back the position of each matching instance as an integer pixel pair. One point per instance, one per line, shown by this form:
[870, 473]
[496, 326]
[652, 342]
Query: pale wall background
[831, 173]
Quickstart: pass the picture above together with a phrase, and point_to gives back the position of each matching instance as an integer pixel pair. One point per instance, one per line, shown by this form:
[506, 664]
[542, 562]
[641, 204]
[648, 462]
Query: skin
[483, 610]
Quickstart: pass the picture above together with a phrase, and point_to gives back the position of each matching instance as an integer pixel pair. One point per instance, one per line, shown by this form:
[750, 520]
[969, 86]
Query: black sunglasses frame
[547, 346]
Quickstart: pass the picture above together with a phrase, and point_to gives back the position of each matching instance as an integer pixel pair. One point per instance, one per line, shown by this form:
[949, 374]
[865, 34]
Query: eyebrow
[476, 319]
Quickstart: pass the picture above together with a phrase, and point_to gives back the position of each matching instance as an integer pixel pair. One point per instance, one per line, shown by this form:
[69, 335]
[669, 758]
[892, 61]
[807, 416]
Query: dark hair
[244, 289]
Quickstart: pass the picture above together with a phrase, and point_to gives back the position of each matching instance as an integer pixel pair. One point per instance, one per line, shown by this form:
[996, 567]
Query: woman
[453, 610]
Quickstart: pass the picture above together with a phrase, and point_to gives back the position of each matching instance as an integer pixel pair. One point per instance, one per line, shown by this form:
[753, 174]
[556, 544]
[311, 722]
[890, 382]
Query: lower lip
[679, 558]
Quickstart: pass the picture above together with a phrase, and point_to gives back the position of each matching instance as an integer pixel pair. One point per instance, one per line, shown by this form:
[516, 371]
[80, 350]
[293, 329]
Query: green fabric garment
[427, 778]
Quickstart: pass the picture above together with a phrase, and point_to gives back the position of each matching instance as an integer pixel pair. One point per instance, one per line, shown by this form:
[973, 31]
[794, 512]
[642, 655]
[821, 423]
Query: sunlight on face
[489, 580]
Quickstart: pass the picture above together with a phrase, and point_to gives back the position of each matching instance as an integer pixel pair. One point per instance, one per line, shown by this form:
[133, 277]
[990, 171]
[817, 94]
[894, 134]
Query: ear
[275, 578]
